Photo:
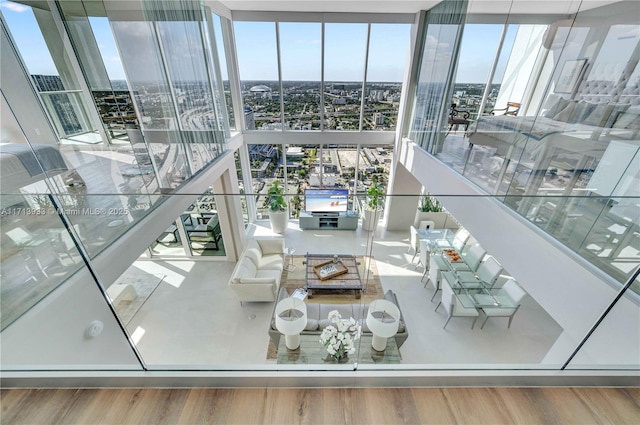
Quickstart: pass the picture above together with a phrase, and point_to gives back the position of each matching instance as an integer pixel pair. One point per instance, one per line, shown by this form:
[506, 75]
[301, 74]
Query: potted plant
[372, 209]
[278, 214]
[430, 209]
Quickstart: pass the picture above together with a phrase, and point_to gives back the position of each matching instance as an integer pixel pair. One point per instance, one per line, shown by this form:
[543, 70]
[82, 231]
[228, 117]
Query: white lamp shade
[291, 316]
[383, 318]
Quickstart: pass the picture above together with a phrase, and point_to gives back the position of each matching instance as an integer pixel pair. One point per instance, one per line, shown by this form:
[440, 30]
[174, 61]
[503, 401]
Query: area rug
[294, 277]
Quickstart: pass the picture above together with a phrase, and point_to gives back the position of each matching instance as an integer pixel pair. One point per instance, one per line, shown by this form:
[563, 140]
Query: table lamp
[291, 319]
[383, 320]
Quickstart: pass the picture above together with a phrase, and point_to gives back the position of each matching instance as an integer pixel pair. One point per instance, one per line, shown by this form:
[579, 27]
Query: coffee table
[311, 352]
[345, 281]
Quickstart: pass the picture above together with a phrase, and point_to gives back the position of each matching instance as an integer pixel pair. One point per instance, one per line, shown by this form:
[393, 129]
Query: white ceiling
[413, 6]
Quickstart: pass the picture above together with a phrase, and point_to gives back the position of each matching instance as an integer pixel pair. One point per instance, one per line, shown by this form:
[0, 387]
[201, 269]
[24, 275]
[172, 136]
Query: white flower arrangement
[340, 336]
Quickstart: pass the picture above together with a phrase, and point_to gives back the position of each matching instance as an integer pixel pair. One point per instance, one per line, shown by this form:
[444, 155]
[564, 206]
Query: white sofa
[256, 277]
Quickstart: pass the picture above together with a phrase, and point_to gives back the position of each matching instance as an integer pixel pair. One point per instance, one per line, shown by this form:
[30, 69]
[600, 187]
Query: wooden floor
[322, 406]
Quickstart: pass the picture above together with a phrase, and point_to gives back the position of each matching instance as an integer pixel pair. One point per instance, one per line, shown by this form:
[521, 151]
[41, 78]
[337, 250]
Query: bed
[573, 127]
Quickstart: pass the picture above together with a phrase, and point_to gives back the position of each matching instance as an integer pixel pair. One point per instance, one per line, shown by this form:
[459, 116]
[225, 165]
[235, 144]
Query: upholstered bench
[317, 317]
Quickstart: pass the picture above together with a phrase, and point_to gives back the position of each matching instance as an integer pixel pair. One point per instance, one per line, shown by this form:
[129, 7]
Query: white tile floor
[193, 321]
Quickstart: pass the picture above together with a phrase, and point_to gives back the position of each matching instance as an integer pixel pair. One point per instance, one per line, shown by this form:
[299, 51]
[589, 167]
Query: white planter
[370, 219]
[279, 221]
[441, 220]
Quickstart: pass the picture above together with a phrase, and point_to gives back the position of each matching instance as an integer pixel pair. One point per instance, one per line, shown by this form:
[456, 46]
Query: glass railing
[381, 281]
[575, 182]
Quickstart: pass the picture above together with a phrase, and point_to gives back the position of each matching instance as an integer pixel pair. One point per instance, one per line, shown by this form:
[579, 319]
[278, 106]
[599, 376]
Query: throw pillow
[271, 246]
[581, 111]
[624, 119]
[553, 105]
[598, 116]
[312, 325]
[565, 114]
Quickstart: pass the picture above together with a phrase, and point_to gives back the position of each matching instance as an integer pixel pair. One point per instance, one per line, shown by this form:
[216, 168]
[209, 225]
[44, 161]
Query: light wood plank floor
[582, 405]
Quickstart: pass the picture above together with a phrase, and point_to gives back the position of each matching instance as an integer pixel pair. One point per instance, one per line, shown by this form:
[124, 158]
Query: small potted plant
[278, 214]
[372, 209]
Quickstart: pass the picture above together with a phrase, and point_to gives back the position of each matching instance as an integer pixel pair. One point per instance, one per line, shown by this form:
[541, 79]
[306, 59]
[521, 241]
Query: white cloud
[15, 7]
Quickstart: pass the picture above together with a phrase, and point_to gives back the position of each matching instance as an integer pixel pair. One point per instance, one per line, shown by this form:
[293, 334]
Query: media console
[328, 220]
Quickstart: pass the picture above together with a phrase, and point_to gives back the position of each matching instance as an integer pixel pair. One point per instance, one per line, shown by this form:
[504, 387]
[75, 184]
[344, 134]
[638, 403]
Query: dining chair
[414, 241]
[473, 256]
[435, 276]
[513, 291]
[489, 270]
[424, 258]
[453, 306]
[461, 238]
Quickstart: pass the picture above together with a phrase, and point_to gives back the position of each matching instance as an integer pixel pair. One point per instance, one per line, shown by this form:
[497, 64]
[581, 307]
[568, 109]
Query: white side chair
[461, 238]
[489, 270]
[453, 307]
[513, 291]
[473, 256]
[424, 258]
[435, 275]
[414, 242]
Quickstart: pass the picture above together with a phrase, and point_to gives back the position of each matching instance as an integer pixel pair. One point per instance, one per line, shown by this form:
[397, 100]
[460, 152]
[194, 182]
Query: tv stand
[328, 220]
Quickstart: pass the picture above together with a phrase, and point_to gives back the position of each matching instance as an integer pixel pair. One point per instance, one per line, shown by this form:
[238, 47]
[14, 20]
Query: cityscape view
[302, 102]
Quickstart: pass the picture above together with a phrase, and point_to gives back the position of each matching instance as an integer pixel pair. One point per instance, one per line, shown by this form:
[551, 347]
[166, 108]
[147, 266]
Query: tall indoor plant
[373, 207]
[278, 214]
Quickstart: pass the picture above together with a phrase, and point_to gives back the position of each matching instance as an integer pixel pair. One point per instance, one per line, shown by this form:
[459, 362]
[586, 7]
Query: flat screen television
[326, 200]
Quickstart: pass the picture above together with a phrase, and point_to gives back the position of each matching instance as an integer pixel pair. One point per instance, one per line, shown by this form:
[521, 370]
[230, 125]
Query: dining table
[474, 293]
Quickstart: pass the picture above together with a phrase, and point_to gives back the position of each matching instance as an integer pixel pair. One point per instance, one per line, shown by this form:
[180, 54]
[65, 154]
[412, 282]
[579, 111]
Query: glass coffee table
[312, 352]
[323, 273]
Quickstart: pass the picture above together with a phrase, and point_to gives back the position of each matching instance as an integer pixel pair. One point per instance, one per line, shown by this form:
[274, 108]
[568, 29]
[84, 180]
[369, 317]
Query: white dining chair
[473, 256]
[424, 258]
[461, 238]
[453, 306]
[513, 291]
[489, 270]
[414, 242]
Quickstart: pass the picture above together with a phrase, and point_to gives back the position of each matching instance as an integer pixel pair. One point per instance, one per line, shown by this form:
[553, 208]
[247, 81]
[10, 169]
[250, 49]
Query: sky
[345, 49]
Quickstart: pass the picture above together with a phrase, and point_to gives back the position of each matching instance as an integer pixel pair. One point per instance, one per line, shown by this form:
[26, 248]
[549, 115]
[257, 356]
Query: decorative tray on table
[330, 269]
[452, 255]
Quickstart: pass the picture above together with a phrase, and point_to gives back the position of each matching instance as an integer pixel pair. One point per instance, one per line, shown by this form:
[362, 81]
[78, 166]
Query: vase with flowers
[340, 336]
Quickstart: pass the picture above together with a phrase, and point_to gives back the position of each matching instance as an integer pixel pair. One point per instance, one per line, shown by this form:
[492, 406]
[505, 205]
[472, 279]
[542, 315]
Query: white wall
[571, 291]
[51, 335]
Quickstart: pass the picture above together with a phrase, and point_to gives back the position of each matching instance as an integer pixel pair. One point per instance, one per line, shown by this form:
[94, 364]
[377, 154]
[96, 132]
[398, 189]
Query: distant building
[339, 101]
[48, 83]
[261, 90]
[249, 119]
[379, 118]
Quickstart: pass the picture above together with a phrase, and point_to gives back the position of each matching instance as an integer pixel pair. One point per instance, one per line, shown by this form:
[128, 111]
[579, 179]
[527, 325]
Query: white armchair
[513, 291]
[257, 275]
